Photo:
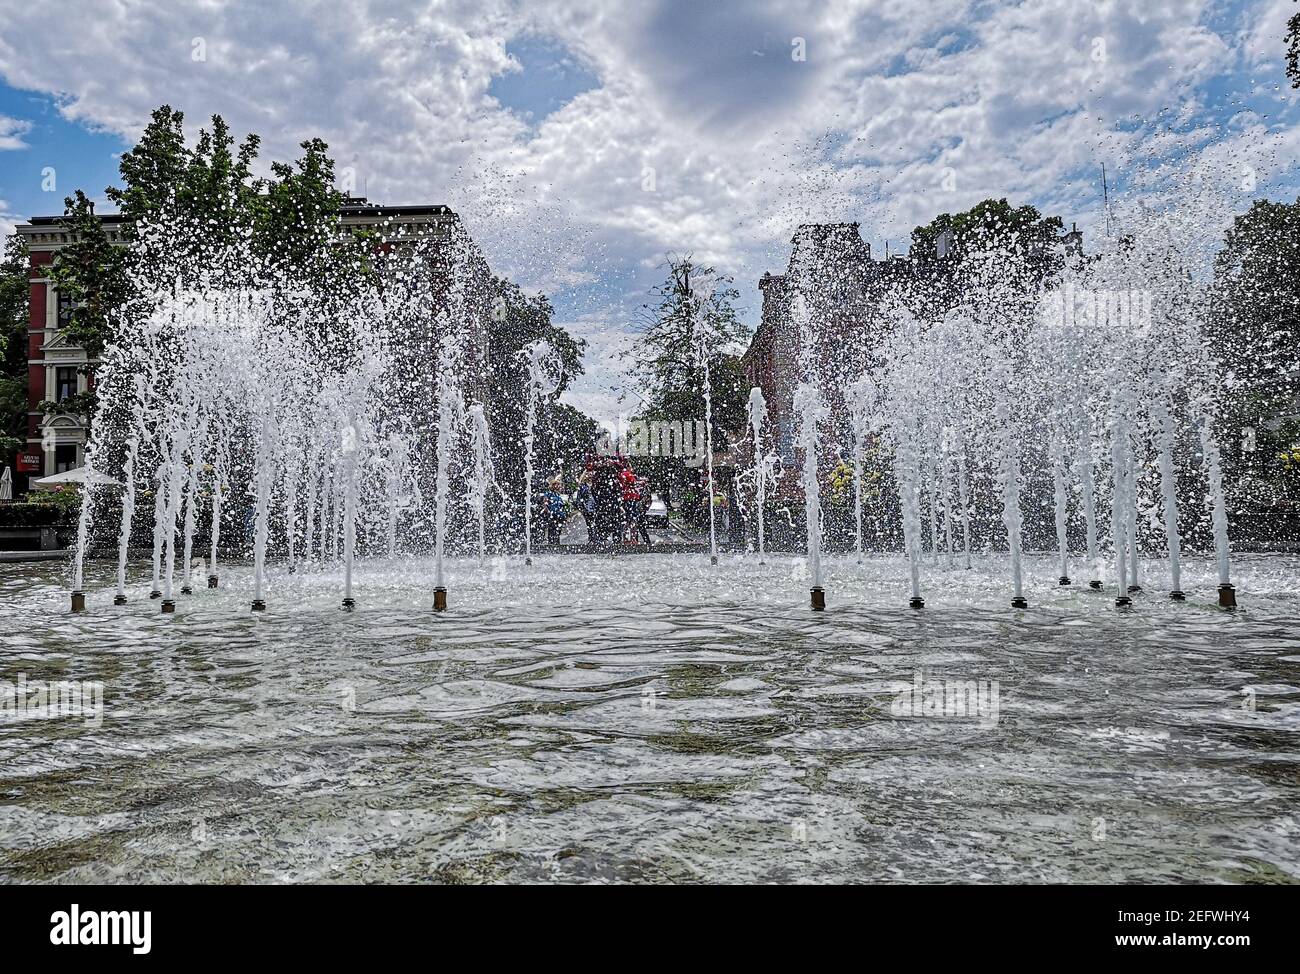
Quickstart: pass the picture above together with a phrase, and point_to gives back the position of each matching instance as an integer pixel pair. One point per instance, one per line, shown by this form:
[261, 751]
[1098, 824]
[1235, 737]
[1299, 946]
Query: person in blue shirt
[553, 511]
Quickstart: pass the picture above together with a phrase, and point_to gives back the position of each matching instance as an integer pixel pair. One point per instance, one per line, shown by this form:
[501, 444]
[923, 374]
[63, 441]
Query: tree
[1293, 50]
[694, 318]
[91, 272]
[297, 216]
[1015, 243]
[154, 169]
[564, 434]
[209, 196]
[15, 289]
[1255, 333]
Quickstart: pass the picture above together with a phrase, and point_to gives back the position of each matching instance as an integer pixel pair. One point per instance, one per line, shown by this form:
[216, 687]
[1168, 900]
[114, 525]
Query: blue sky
[583, 140]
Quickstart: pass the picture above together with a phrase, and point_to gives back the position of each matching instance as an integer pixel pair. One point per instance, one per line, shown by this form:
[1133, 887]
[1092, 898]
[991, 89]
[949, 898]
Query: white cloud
[1019, 100]
[11, 133]
[8, 221]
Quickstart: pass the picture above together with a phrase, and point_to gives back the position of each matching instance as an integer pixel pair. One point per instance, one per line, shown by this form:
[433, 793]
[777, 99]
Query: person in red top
[627, 479]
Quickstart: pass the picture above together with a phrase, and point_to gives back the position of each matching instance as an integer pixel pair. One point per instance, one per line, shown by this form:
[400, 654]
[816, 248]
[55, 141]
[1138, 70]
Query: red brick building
[59, 371]
[841, 287]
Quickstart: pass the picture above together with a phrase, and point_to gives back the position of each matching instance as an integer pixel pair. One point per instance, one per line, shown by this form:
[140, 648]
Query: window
[65, 382]
[785, 441]
[65, 308]
[65, 457]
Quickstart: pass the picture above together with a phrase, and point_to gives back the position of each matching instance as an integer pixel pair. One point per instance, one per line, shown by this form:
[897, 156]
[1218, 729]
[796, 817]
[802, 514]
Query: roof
[46, 221]
[355, 208]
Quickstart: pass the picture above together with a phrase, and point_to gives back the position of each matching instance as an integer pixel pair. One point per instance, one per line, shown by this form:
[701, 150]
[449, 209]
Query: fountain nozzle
[349, 604]
[818, 597]
[1177, 596]
[168, 606]
[1065, 580]
[440, 599]
[1227, 596]
[212, 581]
[78, 601]
[916, 602]
[119, 600]
[1019, 602]
[259, 605]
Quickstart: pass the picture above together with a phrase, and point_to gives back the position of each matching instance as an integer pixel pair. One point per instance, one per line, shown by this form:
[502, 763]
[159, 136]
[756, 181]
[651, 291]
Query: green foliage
[92, 272]
[1017, 243]
[991, 226]
[564, 434]
[1293, 50]
[80, 404]
[694, 317]
[23, 514]
[42, 509]
[153, 170]
[291, 219]
[297, 215]
[1254, 331]
[15, 289]
[1256, 318]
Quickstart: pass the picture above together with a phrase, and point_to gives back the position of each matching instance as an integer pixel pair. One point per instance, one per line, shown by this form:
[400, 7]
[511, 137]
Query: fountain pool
[594, 719]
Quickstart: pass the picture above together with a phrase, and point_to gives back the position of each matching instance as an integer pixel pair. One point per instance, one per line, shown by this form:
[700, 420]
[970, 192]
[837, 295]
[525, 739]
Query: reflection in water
[650, 719]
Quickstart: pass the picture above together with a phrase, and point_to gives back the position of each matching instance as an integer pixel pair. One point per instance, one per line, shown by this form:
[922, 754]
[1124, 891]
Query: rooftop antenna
[1105, 196]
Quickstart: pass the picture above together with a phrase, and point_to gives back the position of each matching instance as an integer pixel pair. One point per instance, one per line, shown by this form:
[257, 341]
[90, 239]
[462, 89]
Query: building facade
[824, 315]
[830, 314]
[60, 374]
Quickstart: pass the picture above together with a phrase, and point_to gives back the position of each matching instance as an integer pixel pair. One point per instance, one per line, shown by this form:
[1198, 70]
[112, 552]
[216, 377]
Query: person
[553, 511]
[606, 499]
[639, 508]
[629, 496]
[585, 503]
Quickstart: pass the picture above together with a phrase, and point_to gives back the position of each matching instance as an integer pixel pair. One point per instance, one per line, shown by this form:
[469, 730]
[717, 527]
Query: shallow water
[649, 718]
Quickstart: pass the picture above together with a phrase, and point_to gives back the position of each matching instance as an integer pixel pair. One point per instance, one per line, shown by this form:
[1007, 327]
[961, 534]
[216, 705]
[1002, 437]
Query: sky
[583, 141]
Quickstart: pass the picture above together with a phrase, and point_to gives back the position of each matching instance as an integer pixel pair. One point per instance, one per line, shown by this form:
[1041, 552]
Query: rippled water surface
[649, 718]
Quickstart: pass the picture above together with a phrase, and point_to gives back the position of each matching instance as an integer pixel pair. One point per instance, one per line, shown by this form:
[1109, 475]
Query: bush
[58, 508]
